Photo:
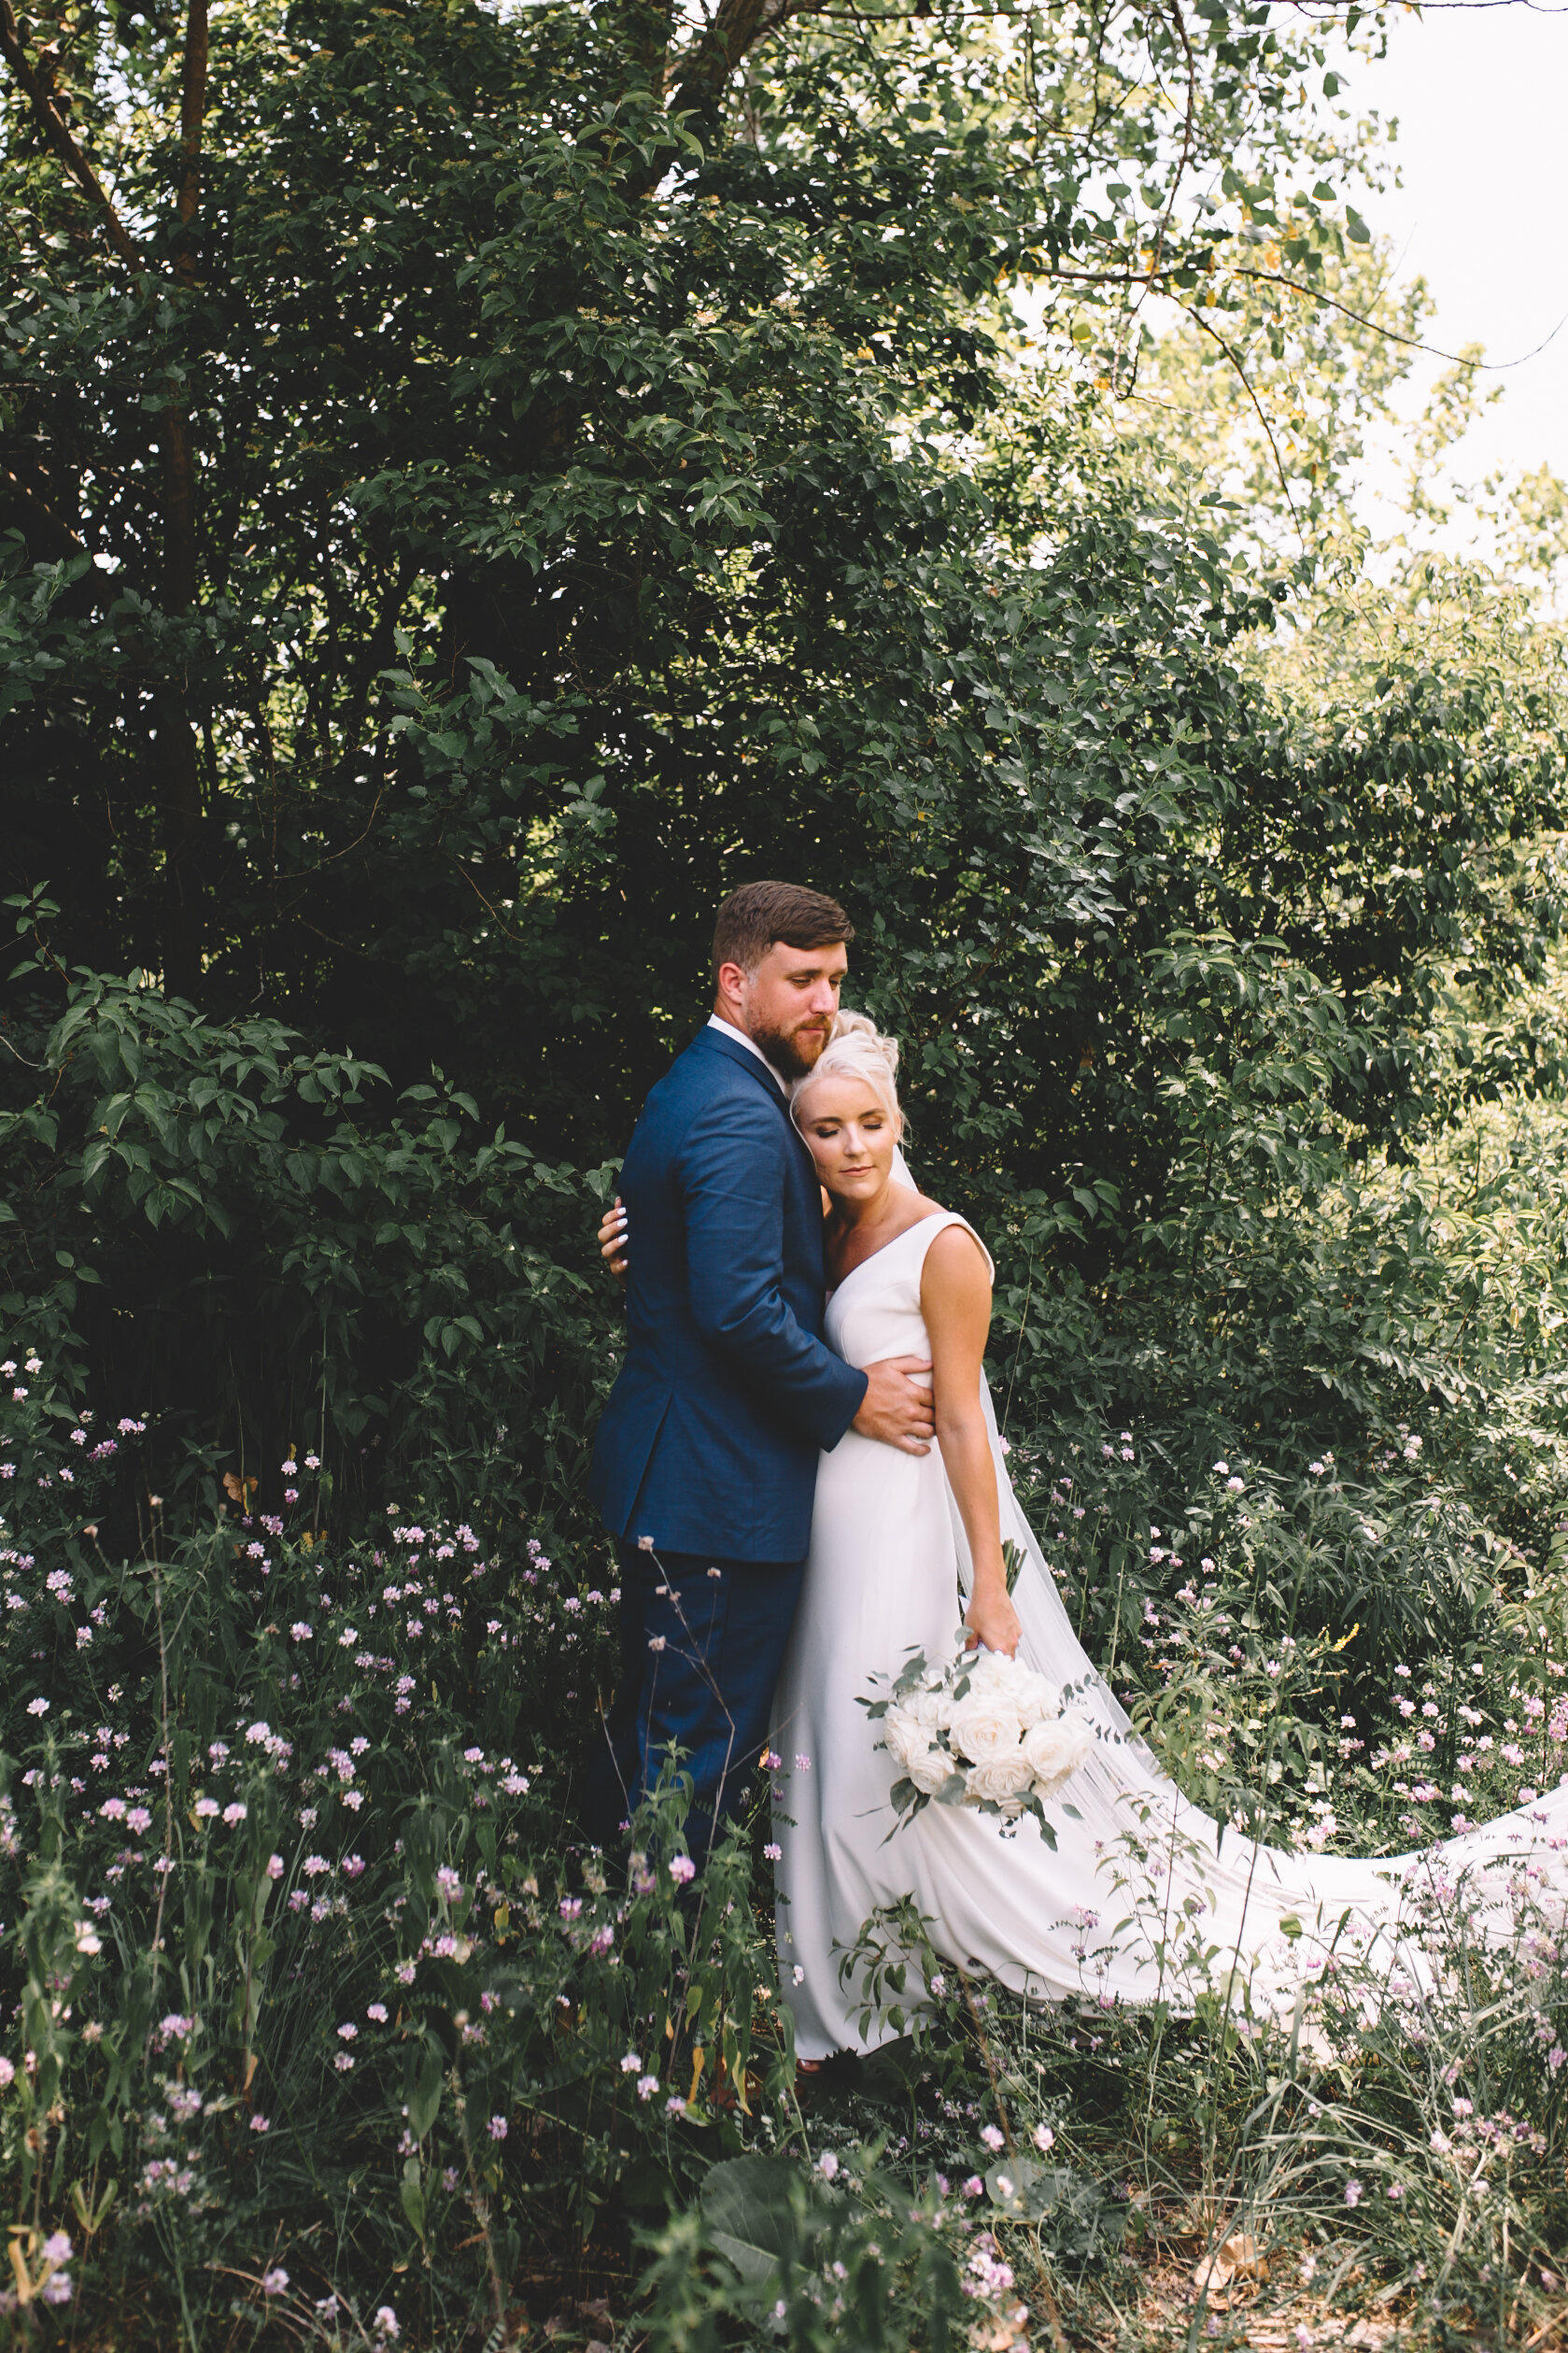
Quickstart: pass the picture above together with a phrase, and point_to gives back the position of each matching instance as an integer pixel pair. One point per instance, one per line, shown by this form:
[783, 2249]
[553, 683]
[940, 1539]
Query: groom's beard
[793, 1052]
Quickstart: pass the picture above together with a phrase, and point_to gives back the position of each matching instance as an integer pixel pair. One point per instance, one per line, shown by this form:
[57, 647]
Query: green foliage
[203, 1210]
[808, 2257]
[660, 506]
[324, 1982]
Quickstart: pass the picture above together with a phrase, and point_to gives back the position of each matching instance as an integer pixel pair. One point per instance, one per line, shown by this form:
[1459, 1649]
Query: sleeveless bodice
[875, 1312]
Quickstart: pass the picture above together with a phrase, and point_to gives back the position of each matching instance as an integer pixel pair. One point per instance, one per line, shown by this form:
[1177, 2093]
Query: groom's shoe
[808, 2075]
[830, 2078]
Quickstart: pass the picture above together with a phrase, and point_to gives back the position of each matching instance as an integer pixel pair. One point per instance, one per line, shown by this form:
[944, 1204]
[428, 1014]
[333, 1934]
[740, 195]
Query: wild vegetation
[477, 484]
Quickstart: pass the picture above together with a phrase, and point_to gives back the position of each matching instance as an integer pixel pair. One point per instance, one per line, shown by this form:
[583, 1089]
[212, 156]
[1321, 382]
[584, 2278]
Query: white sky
[1479, 95]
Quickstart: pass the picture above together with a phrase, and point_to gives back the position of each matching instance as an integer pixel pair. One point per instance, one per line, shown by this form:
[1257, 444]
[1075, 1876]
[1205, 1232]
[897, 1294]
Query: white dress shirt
[752, 1047]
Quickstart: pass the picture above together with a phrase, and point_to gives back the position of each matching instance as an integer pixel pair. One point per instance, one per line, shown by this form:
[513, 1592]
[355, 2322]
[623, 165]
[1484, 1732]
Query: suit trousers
[701, 1643]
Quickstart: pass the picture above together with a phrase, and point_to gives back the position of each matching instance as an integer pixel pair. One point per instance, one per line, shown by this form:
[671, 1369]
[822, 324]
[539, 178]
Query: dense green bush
[666, 504]
[206, 1215]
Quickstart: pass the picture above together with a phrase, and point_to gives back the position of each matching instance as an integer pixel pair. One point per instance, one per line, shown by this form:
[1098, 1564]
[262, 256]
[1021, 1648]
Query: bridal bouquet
[984, 1731]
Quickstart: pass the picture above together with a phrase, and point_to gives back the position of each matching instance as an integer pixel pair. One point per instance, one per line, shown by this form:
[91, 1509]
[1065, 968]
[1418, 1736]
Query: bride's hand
[992, 1620]
[613, 1246]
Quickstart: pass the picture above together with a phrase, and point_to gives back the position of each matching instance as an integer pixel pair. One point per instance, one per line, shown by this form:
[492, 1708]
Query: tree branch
[650, 24]
[180, 550]
[183, 893]
[176, 744]
[192, 109]
[1234, 360]
[1160, 280]
[698, 76]
[57, 131]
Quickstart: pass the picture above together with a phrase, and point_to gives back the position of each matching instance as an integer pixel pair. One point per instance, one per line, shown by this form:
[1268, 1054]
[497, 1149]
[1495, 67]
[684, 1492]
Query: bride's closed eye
[828, 1128]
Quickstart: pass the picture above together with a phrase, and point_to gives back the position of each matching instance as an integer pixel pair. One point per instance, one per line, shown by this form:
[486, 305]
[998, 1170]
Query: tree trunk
[181, 797]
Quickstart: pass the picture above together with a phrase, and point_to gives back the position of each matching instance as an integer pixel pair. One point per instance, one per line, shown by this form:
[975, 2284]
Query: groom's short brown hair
[758, 914]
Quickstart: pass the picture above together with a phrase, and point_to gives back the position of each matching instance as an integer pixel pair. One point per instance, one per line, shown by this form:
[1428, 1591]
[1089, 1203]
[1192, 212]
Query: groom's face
[787, 1006]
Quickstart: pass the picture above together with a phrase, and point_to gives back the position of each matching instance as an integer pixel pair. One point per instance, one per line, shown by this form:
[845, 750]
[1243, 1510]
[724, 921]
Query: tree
[269, 406]
[611, 476]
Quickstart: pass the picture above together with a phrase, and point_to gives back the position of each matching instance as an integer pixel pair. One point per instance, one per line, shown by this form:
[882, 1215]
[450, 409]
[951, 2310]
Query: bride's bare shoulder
[957, 1255]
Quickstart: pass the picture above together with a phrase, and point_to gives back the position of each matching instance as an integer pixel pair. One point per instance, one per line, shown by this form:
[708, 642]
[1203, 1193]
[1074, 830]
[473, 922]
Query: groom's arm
[733, 1169]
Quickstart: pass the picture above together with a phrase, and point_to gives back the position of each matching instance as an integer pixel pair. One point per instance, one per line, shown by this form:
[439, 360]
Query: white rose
[932, 1709]
[1035, 1698]
[1056, 1749]
[990, 1671]
[899, 1736]
[1000, 1777]
[901, 1724]
[928, 1768]
[912, 1750]
[984, 1725]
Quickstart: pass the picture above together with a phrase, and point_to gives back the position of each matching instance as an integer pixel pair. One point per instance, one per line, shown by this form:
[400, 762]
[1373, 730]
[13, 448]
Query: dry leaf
[1238, 2259]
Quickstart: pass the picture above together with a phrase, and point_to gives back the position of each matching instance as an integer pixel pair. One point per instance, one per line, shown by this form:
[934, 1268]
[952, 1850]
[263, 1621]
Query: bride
[1143, 1896]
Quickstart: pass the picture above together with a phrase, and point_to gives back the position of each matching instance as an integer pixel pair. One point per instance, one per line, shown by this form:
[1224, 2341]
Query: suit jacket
[709, 1441]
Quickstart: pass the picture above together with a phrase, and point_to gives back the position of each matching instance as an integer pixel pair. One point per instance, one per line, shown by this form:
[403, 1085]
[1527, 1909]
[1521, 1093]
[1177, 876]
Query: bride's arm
[956, 1302]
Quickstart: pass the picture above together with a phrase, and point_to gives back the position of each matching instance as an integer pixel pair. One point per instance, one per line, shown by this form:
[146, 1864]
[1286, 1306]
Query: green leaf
[1023, 2189]
[425, 2099]
[894, 2069]
[1074, 2218]
[748, 2205]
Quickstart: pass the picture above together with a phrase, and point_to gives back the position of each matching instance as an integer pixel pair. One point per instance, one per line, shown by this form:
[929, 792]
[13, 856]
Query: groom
[705, 1463]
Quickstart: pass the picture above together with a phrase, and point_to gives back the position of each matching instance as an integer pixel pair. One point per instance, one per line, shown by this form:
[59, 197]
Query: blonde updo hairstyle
[856, 1050]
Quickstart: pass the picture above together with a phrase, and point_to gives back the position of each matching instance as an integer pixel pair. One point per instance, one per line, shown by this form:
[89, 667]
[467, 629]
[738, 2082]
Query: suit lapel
[760, 1075]
[756, 1069]
[715, 1041]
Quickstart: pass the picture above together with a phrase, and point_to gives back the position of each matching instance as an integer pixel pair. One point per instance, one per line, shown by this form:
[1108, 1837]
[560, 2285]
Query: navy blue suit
[708, 1446]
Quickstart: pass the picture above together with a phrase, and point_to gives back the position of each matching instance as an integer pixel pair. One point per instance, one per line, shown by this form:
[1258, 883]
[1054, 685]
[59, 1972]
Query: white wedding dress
[1142, 1899]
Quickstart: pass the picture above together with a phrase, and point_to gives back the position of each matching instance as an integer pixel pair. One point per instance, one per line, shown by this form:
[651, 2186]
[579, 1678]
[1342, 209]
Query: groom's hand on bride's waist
[897, 1408]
